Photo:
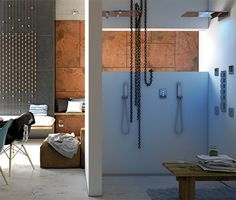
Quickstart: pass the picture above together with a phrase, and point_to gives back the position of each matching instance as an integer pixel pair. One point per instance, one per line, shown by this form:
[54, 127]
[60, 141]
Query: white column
[93, 95]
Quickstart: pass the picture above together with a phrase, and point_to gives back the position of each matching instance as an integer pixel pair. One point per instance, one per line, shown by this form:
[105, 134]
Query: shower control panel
[223, 91]
[162, 93]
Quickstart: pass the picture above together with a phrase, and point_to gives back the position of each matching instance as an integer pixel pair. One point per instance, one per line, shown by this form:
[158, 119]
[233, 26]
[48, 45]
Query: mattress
[42, 127]
[40, 121]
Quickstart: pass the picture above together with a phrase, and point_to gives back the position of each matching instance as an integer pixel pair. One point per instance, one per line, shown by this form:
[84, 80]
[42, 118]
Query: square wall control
[162, 93]
[217, 110]
[217, 72]
[231, 69]
[231, 112]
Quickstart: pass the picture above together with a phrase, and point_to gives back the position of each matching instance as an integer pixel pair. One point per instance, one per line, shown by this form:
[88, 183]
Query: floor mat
[221, 193]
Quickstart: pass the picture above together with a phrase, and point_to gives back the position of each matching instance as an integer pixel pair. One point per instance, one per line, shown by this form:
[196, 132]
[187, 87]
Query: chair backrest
[3, 133]
[23, 124]
[17, 130]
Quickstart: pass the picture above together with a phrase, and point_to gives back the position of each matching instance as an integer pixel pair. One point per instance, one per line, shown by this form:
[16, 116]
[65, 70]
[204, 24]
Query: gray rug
[221, 193]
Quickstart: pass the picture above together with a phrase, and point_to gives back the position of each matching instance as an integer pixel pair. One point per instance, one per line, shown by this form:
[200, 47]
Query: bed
[42, 127]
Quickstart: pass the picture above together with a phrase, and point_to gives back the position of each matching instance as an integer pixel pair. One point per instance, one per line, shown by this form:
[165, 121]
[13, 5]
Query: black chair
[18, 134]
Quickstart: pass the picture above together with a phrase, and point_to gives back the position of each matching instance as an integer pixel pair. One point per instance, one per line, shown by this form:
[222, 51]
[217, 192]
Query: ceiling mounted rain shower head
[207, 14]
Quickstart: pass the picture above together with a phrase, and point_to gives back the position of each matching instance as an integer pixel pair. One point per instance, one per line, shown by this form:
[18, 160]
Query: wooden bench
[187, 173]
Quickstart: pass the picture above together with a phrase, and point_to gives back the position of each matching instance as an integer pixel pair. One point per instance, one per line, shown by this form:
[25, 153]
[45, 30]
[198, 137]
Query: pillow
[74, 106]
[61, 105]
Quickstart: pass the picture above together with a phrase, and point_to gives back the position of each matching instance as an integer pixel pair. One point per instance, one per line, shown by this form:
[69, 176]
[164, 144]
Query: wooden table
[187, 173]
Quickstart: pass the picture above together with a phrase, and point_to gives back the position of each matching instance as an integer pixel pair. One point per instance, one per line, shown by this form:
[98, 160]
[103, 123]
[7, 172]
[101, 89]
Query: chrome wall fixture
[119, 13]
[223, 91]
[207, 14]
[18, 42]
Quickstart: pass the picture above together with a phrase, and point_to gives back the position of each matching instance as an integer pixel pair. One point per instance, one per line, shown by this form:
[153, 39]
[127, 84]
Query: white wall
[93, 97]
[218, 49]
[161, 14]
[64, 9]
[159, 141]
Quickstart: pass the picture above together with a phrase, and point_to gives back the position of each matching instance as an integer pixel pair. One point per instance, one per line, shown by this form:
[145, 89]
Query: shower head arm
[119, 13]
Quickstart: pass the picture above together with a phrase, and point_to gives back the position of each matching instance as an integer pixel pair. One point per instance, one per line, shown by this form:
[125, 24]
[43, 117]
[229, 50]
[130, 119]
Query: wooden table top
[192, 170]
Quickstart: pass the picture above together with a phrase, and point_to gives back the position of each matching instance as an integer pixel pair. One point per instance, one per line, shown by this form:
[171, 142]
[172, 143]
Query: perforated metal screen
[18, 53]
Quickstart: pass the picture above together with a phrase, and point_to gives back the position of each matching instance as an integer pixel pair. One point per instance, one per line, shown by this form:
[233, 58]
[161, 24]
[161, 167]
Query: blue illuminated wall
[160, 143]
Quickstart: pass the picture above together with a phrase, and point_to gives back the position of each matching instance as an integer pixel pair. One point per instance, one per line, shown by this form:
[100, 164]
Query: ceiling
[162, 14]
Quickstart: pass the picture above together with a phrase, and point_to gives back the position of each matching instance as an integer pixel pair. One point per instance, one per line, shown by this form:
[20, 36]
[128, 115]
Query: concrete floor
[61, 184]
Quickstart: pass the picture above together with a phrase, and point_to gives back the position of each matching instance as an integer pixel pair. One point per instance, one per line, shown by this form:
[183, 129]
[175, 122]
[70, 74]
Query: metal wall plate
[217, 110]
[231, 112]
[217, 72]
[223, 91]
[163, 93]
[231, 69]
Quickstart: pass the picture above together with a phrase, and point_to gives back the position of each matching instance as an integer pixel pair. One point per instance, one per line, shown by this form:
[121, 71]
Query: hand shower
[179, 112]
[179, 91]
[125, 126]
[125, 90]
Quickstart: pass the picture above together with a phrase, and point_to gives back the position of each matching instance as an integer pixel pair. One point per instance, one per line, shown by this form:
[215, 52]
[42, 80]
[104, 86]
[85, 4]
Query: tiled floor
[62, 184]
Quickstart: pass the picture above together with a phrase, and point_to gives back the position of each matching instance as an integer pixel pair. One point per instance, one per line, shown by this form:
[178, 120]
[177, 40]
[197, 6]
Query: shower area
[159, 142]
[156, 106]
[160, 103]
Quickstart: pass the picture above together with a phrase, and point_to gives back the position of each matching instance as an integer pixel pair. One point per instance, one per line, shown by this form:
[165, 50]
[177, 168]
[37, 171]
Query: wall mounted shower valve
[217, 110]
[231, 69]
[231, 112]
[162, 92]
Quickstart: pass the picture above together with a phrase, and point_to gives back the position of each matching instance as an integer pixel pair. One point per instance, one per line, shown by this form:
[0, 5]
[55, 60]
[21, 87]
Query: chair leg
[26, 153]
[10, 158]
[3, 176]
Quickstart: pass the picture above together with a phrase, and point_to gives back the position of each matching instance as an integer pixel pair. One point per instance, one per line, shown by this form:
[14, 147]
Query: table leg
[181, 186]
[187, 188]
[10, 158]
